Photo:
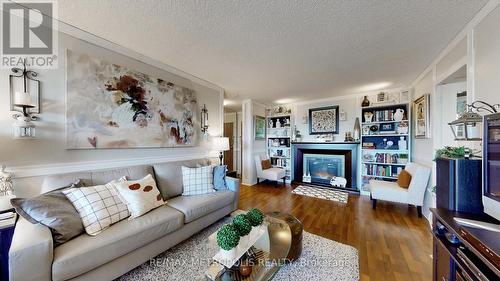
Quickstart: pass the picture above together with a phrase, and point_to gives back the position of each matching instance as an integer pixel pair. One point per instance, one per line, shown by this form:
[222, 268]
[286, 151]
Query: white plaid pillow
[197, 180]
[99, 206]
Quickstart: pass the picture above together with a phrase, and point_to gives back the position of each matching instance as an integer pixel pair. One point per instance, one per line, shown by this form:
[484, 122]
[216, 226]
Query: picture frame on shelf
[422, 117]
[260, 127]
[387, 128]
[324, 120]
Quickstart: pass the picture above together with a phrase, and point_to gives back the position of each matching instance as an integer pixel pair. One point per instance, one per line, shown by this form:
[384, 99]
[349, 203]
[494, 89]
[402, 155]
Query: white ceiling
[282, 51]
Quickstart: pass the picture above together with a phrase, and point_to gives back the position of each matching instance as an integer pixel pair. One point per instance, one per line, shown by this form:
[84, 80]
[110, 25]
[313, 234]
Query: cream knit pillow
[141, 196]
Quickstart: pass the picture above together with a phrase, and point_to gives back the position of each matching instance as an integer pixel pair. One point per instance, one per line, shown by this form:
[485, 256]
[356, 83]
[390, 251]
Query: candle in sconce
[21, 99]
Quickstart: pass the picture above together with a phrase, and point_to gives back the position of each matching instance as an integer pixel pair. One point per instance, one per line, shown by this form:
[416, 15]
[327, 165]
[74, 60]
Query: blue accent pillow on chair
[220, 177]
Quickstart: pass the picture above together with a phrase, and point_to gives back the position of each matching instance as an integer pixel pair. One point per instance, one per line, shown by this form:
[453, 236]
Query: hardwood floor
[393, 243]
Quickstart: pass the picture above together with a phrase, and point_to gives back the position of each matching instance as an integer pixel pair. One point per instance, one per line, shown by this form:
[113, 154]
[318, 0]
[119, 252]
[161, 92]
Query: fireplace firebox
[322, 161]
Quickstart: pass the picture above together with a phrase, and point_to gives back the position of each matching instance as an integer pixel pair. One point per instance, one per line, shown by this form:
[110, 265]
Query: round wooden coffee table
[296, 230]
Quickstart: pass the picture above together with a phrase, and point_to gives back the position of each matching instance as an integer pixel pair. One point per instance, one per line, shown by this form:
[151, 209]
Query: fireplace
[322, 161]
[323, 167]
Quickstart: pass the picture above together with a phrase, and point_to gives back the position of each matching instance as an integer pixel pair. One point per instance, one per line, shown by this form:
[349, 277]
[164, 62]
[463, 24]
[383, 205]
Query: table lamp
[221, 144]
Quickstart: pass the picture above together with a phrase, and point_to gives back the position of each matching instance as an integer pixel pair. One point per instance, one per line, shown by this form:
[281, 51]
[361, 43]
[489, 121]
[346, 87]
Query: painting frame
[259, 127]
[421, 109]
[181, 102]
[321, 114]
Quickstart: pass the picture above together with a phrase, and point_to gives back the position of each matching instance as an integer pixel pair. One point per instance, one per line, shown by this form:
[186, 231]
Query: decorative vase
[357, 130]
[245, 270]
[368, 117]
[402, 143]
[402, 128]
[365, 102]
[399, 114]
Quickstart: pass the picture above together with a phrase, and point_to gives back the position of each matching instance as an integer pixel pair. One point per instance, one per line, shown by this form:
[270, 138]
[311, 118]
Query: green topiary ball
[242, 225]
[255, 216]
[228, 237]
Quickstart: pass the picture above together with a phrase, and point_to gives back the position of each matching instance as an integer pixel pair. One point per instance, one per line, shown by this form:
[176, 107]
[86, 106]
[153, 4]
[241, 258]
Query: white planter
[228, 256]
[244, 240]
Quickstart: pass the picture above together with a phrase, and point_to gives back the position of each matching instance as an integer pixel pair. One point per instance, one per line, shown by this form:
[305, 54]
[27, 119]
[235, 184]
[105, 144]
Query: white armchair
[413, 195]
[273, 174]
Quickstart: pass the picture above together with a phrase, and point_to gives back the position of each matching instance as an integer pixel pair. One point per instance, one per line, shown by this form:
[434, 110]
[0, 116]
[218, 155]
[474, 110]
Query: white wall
[350, 105]
[487, 58]
[47, 154]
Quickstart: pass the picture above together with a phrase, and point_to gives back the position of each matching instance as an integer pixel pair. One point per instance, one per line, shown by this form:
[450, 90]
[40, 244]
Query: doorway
[228, 155]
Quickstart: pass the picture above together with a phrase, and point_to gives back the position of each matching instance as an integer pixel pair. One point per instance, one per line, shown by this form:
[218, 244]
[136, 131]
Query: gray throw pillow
[220, 177]
[53, 210]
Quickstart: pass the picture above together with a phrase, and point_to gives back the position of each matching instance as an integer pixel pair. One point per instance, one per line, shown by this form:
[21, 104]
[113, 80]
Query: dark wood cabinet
[463, 253]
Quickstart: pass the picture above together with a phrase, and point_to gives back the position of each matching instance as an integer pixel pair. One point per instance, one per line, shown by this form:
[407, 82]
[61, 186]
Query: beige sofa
[126, 244]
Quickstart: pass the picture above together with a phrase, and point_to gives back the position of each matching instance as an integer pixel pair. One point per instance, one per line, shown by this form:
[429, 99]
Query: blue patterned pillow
[220, 177]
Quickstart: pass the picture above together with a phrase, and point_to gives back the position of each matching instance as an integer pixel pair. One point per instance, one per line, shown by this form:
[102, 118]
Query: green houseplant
[242, 225]
[228, 237]
[255, 216]
[450, 152]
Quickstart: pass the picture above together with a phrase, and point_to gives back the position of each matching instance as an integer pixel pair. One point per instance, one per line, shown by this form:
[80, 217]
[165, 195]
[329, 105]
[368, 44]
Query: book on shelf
[381, 171]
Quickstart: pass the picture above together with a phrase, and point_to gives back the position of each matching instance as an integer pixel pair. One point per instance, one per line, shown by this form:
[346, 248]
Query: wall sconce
[468, 127]
[204, 120]
[24, 102]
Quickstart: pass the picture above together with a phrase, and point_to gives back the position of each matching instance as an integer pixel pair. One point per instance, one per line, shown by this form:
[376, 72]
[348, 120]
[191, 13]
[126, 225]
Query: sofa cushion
[274, 174]
[169, 176]
[53, 210]
[98, 177]
[390, 191]
[196, 206]
[85, 252]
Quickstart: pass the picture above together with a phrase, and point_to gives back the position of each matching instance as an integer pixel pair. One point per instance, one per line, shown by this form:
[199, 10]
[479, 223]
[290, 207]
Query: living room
[249, 140]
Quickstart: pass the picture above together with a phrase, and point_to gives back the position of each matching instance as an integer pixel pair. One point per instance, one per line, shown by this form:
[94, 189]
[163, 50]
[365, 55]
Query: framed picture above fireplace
[324, 120]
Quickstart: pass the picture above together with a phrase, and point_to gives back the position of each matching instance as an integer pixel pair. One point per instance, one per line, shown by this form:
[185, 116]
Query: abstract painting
[112, 106]
[324, 120]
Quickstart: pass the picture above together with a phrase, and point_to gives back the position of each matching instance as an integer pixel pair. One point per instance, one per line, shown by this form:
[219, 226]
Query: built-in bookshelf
[278, 140]
[385, 141]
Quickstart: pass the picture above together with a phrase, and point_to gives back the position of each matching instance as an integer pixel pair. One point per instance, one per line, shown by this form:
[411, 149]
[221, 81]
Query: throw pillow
[53, 210]
[266, 164]
[404, 179]
[220, 177]
[197, 180]
[98, 206]
[141, 196]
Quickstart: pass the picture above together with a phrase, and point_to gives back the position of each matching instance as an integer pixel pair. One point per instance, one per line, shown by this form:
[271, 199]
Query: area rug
[321, 259]
[322, 193]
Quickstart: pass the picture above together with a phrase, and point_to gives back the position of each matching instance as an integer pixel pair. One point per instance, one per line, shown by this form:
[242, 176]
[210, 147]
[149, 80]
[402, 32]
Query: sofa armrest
[31, 252]
[233, 184]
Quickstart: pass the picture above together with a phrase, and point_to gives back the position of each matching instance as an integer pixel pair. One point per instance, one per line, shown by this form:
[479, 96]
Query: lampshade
[23, 99]
[221, 144]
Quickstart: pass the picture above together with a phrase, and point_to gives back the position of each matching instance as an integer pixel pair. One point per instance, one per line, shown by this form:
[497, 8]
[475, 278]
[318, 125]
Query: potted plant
[255, 217]
[403, 159]
[227, 239]
[243, 228]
